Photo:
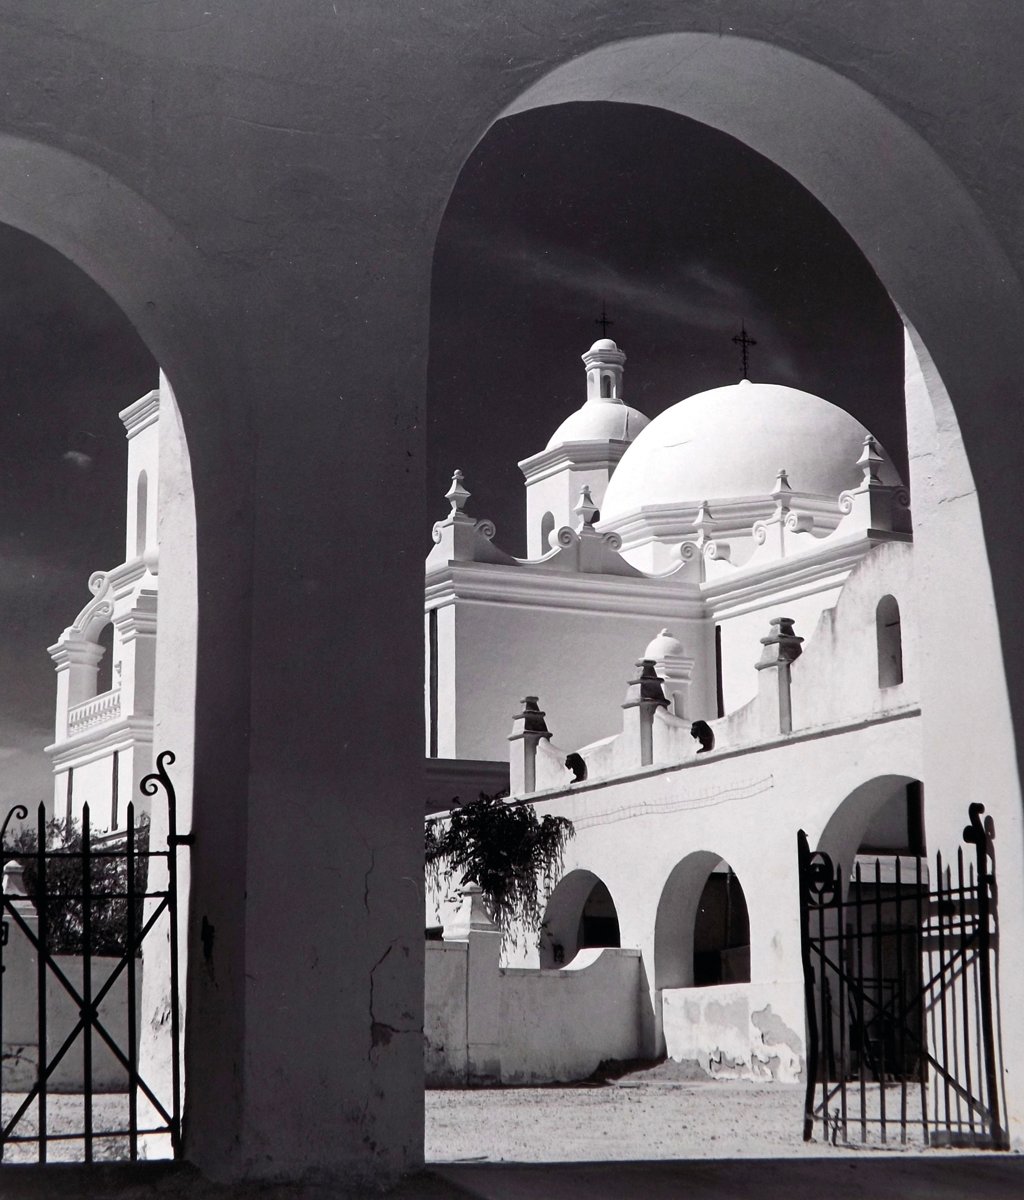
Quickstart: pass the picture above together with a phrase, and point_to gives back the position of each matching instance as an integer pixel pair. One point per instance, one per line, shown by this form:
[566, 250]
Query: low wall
[487, 1025]
[737, 1030]
[444, 1014]
[559, 1025]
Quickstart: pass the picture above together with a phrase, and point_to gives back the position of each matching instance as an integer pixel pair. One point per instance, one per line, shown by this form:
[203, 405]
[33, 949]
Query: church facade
[711, 645]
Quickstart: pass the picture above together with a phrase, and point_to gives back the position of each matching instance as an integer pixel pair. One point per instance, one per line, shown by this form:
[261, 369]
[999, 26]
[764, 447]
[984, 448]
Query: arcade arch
[702, 928]
[580, 914]
[884, 815]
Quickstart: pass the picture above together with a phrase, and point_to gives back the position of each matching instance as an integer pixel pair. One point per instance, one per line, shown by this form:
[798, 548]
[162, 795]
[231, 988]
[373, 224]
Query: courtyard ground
[658, 1113]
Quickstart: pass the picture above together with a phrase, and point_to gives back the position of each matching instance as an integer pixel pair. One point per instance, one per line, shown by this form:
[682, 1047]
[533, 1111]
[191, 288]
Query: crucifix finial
[744, 342]
[603, 321]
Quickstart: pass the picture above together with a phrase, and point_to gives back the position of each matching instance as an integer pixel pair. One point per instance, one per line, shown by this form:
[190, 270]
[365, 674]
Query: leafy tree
[108, 880]
[512, 855]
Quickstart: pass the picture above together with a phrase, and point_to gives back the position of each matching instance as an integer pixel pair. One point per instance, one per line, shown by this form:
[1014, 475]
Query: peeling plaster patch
[775, 1032]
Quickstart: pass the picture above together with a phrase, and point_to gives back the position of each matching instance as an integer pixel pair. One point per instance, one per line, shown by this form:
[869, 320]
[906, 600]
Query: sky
[683, 233]
[69, 362]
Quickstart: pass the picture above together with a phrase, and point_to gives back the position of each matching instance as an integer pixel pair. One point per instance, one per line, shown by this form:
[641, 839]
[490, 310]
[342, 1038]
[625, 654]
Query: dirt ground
[657, 1113]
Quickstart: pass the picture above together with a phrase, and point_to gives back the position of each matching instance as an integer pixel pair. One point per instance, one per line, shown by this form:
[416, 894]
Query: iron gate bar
[89, 999]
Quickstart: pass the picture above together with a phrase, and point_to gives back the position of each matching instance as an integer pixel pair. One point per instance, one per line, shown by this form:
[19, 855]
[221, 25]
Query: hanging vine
[514, 856]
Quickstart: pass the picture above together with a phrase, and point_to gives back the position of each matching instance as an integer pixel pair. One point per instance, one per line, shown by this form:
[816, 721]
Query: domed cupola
[583, 450]
[726, 447]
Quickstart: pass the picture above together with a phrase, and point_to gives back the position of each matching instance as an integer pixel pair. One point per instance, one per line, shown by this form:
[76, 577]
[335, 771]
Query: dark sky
[685, 233]
[69, 362]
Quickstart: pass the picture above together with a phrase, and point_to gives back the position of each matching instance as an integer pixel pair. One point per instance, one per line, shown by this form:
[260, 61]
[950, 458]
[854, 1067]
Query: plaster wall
[559, 1025]
[578, 663]
[444, 1014]
[836, 677]
[741, 638]
[554, 1025]
[737, 1030]
[558, 494]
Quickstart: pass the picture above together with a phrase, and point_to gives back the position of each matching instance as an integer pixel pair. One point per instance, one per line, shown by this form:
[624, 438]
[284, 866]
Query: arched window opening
[547, 527]
[606, 387]
[580, 914]
[140, 514]
[890, 642]
[721, 931]
[105, 670]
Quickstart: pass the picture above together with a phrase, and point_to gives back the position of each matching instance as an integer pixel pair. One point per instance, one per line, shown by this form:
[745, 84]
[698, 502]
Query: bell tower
[583, 451]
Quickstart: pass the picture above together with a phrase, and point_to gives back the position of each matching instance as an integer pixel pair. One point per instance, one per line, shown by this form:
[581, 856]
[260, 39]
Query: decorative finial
[704, 521]
[782, 482]
[457, 494]
[603, 321]
[586, 509]
[870, 460]
[744, 342]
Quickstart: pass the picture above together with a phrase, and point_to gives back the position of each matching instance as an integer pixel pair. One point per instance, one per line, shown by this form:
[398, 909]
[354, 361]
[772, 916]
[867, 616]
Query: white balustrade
[97, 711]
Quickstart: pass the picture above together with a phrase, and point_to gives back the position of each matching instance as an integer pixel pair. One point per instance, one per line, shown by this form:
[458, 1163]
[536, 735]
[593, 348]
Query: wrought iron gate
[76, 914]
[898, 981]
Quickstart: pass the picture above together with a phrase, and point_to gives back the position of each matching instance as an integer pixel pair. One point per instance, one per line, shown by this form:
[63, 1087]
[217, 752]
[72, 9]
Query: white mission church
[717, 617]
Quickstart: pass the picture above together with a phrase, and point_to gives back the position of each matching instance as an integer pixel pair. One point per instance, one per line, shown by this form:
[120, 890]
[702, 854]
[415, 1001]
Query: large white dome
[731, 442]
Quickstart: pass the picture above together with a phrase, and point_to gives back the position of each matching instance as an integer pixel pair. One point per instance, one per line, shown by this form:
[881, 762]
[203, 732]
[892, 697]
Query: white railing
[97, 711]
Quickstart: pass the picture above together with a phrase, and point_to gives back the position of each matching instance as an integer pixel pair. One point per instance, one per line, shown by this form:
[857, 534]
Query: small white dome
[600, 421]
[602, 344]
[731, 442]
[664, 646]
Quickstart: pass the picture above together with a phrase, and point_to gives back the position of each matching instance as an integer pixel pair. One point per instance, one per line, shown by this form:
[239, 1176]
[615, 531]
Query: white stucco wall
[558, 1025]
[578, 663]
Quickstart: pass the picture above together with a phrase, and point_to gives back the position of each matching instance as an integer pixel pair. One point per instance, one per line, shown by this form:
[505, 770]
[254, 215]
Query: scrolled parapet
[486, 529]
[567, 536]
[612, 540]
[799, 522]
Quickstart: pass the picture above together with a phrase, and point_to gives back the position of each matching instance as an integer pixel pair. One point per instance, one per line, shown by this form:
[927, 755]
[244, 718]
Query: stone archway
[961, 302]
